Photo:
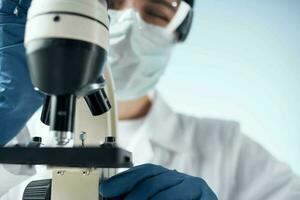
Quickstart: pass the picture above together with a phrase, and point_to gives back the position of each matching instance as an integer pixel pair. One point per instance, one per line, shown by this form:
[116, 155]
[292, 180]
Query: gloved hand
[18, 100]
[155, 182]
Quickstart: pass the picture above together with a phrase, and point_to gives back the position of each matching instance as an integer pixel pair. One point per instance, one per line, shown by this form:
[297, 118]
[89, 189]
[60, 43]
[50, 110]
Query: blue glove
[18, 100]
[155, 182]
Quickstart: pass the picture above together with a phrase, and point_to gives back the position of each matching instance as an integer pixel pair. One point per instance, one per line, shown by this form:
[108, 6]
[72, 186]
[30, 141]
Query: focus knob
[38, 190]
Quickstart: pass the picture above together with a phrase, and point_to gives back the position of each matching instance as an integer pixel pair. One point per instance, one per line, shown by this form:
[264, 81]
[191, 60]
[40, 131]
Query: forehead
[118, 4]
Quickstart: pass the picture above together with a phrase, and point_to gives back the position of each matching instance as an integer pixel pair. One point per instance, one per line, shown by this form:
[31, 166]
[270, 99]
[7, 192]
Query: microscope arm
[111, 94]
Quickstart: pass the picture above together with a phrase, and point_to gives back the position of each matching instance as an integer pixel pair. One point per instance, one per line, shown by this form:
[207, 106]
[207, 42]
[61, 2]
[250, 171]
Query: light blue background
[242, 62]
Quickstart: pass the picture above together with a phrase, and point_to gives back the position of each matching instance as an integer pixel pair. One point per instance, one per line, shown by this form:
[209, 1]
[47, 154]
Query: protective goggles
[174, 15]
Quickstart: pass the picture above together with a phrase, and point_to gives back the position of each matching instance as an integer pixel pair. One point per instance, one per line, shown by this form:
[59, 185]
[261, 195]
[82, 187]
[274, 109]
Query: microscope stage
[95, 157]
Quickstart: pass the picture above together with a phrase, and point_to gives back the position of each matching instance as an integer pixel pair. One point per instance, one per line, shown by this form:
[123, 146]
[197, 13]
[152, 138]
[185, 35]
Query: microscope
[66, 45]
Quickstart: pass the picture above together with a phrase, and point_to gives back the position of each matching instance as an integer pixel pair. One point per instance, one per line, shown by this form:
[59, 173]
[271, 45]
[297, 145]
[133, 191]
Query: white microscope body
[66, 44]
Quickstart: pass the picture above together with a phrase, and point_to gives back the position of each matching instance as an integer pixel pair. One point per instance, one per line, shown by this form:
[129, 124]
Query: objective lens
[98, 102]
[45, 117]
[62, 117]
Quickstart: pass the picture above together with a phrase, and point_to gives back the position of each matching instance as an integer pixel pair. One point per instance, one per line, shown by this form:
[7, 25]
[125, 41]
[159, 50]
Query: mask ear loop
[181, 14]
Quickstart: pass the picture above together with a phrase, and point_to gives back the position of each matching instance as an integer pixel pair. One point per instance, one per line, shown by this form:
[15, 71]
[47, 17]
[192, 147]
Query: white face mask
[138, 54]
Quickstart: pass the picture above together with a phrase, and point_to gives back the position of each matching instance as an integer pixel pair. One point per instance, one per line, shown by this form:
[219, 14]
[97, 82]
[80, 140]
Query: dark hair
[190, 2]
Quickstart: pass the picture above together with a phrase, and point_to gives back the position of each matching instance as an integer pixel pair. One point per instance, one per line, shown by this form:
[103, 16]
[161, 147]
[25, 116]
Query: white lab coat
[233, 165]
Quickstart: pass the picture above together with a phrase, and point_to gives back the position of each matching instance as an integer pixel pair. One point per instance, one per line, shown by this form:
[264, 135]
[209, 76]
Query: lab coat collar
[164, 126]
[160, 135]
